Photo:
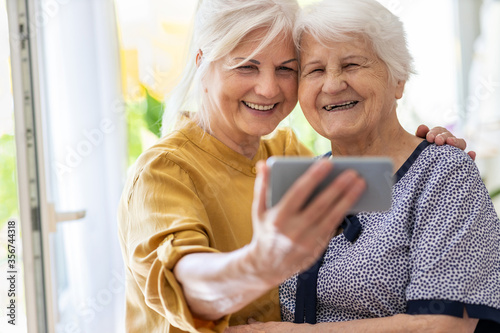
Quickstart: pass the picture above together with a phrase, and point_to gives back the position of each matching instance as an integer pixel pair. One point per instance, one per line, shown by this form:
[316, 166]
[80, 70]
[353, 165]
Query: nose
[334, 83]
[268, 85]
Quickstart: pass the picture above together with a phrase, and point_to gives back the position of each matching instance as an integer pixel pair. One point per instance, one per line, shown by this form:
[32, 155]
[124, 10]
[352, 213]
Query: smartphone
[376, 171]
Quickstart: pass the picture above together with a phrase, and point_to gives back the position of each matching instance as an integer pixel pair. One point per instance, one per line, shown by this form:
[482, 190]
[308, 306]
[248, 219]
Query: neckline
[410, 160]
[213, 146]
[406, 165]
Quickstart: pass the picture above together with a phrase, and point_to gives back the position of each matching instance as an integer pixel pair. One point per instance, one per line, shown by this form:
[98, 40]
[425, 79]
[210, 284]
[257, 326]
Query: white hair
[340, 20]
[220, 25]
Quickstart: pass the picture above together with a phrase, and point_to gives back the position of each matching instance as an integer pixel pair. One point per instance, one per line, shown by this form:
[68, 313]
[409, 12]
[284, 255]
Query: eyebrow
[258, 62]
[314, 62]
[355, 56]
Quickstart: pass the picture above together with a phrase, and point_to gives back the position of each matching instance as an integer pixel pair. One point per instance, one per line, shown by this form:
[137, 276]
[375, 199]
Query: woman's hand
[290, 237]
[440, 136]
[287, 238]
[397, 323]
[272, 326]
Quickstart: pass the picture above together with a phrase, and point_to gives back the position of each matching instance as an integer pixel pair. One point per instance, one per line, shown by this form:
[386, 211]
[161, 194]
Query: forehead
[349, 45]
[283, 42]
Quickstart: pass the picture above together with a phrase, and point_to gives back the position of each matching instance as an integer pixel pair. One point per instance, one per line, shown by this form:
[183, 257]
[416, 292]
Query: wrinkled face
[250, 100]
[344, 89]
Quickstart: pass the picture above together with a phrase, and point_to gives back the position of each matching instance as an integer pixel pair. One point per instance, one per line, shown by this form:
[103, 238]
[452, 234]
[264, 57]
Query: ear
[199, 57]
[400, 87]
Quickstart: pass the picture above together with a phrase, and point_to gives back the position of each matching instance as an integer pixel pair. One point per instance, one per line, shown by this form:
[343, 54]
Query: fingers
[438, 135]
[343, 205]
[301, 190]
[472, 155]
[422, 131]
[329, 198]
[329, 207]
[459, 143]
[343, 195]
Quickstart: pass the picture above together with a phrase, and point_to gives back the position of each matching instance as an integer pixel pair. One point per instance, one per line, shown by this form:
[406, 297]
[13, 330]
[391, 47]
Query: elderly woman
[192, 255]
[431, 262]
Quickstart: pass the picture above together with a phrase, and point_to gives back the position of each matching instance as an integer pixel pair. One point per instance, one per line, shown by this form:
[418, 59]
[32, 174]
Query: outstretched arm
[285, 236]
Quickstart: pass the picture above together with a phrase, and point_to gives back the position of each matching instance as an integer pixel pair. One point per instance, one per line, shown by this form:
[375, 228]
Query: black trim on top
[409, 162]
[352, 228]
[489, 318]
[306, 296]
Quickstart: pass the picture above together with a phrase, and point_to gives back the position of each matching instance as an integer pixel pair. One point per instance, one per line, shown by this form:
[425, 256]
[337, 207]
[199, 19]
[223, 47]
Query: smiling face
[250, 100]
[344, 89]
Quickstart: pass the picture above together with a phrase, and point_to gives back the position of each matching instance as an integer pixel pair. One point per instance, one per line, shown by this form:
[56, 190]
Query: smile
[259, 107]
[343, 106]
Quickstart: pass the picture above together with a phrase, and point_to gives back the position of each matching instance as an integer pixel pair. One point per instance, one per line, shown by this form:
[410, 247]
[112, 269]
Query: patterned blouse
[435, 251]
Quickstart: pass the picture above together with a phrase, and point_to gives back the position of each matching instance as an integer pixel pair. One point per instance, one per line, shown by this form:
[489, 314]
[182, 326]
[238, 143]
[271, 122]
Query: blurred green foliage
[143, 116]
[135, 123]
[8, 180]
[154, 111]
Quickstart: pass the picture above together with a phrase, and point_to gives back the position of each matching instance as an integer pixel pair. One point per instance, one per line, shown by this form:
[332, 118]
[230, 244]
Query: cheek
[307, 97]
[289, 88]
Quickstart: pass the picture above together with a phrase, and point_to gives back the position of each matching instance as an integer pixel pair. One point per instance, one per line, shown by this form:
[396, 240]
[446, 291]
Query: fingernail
[323, 164]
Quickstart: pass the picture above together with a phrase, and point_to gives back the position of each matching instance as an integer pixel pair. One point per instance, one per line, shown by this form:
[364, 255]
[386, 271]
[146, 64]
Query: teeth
[259, 107]
[344, 106]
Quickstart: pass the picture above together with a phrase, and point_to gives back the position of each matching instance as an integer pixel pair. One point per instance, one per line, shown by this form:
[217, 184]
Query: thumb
[422, 131]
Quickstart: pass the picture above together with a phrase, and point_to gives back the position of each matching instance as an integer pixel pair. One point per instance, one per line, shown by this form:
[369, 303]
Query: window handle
[57, 217]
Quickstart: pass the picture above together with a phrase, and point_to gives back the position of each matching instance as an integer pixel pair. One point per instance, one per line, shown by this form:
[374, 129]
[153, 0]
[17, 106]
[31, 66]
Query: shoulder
[162, 152]
[162, 161]
[446, 159]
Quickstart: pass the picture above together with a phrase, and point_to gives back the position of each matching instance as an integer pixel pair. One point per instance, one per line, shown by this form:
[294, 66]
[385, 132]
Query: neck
[391, 140]
[246, 146]
[248, 149]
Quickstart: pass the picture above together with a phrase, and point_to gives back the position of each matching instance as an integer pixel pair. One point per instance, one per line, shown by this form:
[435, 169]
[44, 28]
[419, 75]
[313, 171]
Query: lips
[341, 106]
[259, 107]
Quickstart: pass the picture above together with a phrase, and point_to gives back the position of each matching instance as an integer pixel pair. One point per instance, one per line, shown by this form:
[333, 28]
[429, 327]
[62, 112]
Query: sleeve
[455, 247]
[167, 220]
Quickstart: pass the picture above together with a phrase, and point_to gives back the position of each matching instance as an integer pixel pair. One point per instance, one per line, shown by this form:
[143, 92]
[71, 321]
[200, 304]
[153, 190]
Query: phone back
[377, 172]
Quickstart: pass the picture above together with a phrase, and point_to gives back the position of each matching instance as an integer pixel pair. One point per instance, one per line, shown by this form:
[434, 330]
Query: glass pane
[12, 293]
[84, 163]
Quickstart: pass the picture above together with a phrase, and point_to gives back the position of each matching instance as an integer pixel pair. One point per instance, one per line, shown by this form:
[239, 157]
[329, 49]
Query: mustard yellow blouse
[188, 193]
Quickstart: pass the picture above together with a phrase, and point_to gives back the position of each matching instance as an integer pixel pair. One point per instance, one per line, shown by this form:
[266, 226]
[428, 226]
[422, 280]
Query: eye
[316, 71]
[246, 68]
[350, 65]
[285, 69]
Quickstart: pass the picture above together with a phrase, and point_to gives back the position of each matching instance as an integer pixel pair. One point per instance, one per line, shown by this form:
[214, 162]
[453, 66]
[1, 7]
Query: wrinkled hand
[440, 136]
[275, 327]
[289, 237]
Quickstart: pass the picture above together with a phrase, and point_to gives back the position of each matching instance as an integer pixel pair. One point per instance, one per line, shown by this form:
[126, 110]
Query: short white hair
[339, 20]
[219, 27]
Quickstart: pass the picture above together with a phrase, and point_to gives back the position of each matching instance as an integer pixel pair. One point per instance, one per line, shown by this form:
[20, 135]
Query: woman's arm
[398, 323]
[287, 239]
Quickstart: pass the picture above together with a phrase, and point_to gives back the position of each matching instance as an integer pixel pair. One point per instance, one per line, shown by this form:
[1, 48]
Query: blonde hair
[220, 25]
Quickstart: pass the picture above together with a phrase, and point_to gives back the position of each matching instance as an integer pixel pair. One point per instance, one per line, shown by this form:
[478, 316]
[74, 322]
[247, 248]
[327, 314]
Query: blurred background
[87, 84]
